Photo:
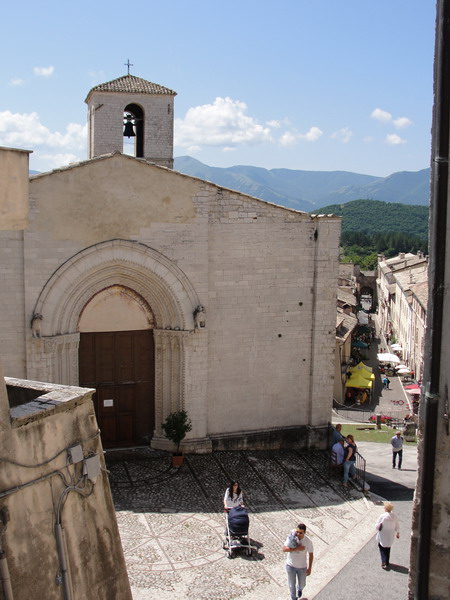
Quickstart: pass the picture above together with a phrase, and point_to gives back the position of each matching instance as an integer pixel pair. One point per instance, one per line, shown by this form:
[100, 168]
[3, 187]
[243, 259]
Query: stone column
[169, 374]
[54, 359]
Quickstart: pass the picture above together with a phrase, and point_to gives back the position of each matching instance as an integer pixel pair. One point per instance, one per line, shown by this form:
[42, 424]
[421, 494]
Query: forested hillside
[374, 216]
[370, 227]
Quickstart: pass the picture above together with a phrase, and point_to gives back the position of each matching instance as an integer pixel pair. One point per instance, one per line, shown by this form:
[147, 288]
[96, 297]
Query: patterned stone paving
[171, 521]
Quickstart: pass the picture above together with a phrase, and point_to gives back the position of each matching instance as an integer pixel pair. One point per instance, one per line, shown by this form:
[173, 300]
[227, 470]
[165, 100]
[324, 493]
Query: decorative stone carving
[36, 325]
[199, 317]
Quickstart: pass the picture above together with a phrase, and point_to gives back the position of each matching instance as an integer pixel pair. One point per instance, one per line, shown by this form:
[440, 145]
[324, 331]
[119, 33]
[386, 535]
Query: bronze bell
[128, 130]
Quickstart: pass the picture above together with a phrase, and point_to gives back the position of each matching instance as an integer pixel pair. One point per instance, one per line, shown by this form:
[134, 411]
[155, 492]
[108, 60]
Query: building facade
[166, 292]
[402, 283]
[58, 530]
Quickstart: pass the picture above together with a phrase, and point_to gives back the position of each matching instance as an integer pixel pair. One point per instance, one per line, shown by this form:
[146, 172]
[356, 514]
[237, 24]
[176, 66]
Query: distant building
[402, 290]
[346, 322]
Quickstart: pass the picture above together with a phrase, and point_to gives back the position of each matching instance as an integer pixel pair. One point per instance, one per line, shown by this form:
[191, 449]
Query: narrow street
[362, 576]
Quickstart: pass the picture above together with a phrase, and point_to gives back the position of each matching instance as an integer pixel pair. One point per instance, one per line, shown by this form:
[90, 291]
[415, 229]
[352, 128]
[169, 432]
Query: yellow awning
[358, 382]
[362, 370]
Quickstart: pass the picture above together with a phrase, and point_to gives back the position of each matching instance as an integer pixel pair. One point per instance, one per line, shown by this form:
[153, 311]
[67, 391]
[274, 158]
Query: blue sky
[299, 84]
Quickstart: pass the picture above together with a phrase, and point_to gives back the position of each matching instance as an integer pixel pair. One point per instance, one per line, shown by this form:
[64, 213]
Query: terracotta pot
[177, 460]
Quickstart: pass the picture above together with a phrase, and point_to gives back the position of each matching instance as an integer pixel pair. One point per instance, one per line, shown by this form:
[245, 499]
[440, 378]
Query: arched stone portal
[117, 358]
[164, 292]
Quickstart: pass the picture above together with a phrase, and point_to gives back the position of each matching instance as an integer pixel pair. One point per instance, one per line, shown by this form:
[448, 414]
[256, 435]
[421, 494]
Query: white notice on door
[108, 402]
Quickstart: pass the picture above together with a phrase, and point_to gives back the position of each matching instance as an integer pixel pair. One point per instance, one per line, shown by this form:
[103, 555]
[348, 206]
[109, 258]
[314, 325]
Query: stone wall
[105, 121]
[42, 488]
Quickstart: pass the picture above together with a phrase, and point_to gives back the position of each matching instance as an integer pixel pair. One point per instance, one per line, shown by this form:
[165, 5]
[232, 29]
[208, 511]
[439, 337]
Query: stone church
[164, 291]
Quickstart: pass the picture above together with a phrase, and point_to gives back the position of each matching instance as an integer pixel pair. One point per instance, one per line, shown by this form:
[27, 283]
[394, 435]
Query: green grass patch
[370, 433]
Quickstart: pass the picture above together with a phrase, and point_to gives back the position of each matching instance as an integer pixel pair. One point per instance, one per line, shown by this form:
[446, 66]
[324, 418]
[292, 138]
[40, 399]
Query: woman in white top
[388, 529]
[233, 496]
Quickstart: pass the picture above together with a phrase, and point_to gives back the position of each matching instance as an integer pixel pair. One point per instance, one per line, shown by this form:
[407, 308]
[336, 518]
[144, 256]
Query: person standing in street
[349, 460]
[397, 449]
[388, 529]
[299, 560]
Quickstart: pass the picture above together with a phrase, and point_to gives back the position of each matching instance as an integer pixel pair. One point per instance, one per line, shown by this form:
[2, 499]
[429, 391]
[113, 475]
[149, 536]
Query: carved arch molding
[160, 283]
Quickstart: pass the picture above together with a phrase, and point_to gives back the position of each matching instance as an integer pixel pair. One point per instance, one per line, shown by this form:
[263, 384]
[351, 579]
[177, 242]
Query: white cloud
[402, 122]
[43, 71]
[97, 76]
[26, 131]
[275, 124]
[53, 161]
[386, 118]
[290, 138]
[381, 115]
[343, 135]
[312, 135]
[392, 139]
[17, 82]
[222, 123]
[193, 149]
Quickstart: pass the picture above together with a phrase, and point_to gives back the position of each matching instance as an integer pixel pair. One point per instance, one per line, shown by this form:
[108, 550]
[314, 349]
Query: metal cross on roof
[128, 64]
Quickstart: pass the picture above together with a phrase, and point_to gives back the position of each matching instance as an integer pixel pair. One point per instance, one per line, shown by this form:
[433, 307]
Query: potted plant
[175, 428]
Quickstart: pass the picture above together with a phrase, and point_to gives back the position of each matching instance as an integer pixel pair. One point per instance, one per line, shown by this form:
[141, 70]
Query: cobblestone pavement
[171, 521]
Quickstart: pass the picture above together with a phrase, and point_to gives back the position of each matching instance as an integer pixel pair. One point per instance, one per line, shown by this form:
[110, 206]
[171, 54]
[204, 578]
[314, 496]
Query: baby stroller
[237, 531]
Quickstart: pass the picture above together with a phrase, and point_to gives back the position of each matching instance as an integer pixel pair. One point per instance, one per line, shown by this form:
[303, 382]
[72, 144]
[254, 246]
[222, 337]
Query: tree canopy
[371, 227]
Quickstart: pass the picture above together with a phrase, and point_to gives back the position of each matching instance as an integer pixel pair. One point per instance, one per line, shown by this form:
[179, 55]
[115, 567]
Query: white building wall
[266, 276]
[12, 323]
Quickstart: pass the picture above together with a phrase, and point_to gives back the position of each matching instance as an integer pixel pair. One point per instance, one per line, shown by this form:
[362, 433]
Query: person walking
[397, 449]
[299, 560]
[233, 496]
[388, 529]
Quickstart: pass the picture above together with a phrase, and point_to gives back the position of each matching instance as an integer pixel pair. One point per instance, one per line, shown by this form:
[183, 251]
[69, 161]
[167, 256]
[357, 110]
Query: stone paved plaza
[171, 521]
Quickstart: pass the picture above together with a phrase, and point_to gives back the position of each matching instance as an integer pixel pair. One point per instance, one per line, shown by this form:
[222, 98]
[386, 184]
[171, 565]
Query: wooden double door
[120, 365]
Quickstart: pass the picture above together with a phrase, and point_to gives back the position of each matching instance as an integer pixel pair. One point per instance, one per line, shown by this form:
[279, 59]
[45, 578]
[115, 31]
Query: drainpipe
[438, 223]
[62, 553]
[4, 575]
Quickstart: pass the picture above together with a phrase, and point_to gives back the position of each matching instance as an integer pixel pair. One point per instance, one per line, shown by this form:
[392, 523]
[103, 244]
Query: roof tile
[129, 84]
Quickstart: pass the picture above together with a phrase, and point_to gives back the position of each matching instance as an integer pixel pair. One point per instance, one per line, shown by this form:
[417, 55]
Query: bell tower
[133, 116]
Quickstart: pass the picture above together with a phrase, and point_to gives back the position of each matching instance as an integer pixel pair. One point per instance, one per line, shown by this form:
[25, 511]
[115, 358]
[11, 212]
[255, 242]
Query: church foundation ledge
[188, 446]
[302, 437]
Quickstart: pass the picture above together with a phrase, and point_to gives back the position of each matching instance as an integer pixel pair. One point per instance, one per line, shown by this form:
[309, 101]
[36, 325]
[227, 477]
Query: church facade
[166, 292]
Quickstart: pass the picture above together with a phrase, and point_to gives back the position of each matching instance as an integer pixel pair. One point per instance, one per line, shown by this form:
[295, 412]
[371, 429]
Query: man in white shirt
[397, 449]
[299, 560]
[338, 452]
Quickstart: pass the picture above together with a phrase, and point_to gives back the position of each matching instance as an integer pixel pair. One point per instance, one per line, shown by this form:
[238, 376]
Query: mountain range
[311, 190]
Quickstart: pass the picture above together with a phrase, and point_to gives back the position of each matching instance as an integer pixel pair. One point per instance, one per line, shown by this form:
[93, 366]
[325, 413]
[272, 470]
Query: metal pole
[62, 553]
[5, 578]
